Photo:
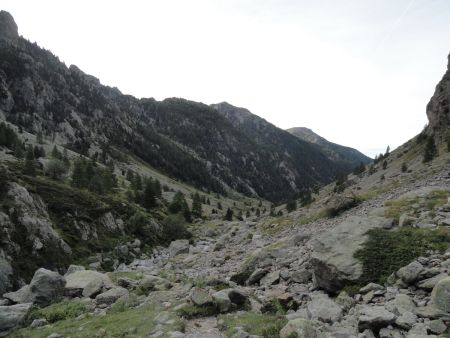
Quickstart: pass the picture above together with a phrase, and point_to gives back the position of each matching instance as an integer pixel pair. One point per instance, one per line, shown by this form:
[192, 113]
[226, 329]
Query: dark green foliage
[56, 154]
[64, 310]
[3, 181]
[291, 205]
[40, 137]
[359, 169]
[149, 196]
[306, 198]
[194, 311]
[385, 164]
[29, 167]
[179, 205]
[175, 227]
[87, 175]
[38, 152]
[430, 150]
[404, 167]
[340, 184]
[196, 206]
[8, 137]
[229, 215]
[56, 168]
[219, 205]
[387, 251]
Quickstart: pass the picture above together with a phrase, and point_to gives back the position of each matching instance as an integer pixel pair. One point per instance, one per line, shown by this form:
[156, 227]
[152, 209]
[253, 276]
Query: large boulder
[45, 288]
[410, 273]
[300, 328]
[6, 272]
[333, 259]
[111, 296]
[179, 247]
[375, 318]
[200, 297]
[440, 296]
[322, 308]
[86, 283]
[12, 316]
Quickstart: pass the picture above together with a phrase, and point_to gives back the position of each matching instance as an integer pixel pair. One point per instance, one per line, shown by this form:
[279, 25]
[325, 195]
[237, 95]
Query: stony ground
[232, 279]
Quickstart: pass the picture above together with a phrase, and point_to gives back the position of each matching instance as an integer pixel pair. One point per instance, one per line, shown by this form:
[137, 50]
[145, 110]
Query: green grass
[134, 275]
[194, 311]
[397, 207]
[59, 311]
[387, 251]
[313, 217]
[276, 225]
[135, 322]
[265, 325]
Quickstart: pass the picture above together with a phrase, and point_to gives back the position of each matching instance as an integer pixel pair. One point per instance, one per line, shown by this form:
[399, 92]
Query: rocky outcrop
[333, 259]
[438, 109]
[45, 288]
[8, 27]
[12, 316]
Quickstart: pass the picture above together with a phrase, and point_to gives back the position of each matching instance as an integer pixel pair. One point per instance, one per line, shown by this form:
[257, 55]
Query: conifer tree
[149, 196]
[29, 166]
[196, 206]
[430, 151]
[229, 215]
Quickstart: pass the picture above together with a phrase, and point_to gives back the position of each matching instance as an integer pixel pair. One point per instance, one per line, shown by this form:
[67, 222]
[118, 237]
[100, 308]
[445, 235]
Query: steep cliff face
[186, 140]
[438, 109]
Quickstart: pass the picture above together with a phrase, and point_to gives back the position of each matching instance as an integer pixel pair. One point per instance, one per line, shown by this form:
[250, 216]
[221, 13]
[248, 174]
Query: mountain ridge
[350, 156]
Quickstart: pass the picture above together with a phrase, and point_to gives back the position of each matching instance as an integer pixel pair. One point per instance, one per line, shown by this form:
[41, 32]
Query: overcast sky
[358, 72]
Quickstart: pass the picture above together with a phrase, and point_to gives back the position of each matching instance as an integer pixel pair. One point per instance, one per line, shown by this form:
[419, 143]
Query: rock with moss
[300, 328]
[179, 247]
[111, 296]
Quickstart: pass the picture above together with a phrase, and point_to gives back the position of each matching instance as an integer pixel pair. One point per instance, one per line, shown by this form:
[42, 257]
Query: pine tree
[29, 166]
[258, 213]
[179, 205]
[79, 178]
[247, 214]
[56, 153]
[404, 167]
[18, 150]
[196, 206]
[430, 151]
[219, 205]
[39, 137]
[291, 205]
[65, 157]
[229, 215]
[385, 164]
[149, 196]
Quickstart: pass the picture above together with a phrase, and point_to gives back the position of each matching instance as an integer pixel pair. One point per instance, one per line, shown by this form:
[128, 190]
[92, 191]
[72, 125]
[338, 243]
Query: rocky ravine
[232, 268]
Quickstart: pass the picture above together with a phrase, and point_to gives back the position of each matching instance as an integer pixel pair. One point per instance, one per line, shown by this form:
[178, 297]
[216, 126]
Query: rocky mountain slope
[186, 140]
[347, 156]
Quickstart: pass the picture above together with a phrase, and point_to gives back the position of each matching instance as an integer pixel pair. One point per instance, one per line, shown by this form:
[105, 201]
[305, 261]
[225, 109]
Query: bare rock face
[438, 109]
[8, 27]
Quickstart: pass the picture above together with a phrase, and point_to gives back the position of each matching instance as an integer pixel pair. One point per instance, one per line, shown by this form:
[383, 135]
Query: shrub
[386, 251]
[291, 205]
[59, 311]
[175, 227]
[56, 169]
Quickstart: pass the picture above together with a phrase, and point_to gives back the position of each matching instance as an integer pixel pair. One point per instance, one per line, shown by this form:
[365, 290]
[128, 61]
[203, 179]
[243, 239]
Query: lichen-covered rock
[440, 297]
[111, 296]
[302, 328]
[200, 297]
[12, 316]
[178, 247]
[375, 317]
[322, 308]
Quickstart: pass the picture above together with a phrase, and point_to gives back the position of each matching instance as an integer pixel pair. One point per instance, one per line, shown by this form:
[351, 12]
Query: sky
[357, 72]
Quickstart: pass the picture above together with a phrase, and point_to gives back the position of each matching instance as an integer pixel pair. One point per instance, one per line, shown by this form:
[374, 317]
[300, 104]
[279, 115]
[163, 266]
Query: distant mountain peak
[8, 27]
[334, 151]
